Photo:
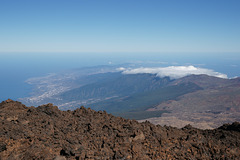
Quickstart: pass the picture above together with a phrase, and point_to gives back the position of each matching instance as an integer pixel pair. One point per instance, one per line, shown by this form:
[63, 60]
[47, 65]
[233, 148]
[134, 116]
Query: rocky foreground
[46, 132]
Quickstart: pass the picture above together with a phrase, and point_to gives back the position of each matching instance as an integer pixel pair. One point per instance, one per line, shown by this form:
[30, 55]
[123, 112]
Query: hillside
[217, 103]
[114, 85]
[201, 100]
[46, 132]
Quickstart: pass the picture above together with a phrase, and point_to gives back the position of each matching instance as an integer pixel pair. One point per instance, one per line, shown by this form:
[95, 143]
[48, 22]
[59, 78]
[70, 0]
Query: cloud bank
[174, 72]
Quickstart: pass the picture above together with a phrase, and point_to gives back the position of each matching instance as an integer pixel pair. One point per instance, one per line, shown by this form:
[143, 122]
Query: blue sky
[119, 26]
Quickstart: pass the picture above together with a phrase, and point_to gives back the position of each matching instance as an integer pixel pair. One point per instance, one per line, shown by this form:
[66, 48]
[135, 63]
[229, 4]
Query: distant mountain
[45, 88]
[117, 86]
[119, 93]
[144, 100]
[206, 81]
[88, 86]
[45, 132]
[201, 100]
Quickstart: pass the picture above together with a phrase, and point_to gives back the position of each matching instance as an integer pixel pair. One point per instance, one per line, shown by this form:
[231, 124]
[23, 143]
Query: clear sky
[119, 25]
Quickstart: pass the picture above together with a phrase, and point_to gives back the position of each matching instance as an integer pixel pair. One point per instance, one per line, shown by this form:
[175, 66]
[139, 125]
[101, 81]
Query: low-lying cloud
[174, 72]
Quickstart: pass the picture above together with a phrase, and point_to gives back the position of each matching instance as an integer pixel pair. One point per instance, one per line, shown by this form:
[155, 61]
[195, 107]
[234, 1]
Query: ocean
[16, 68]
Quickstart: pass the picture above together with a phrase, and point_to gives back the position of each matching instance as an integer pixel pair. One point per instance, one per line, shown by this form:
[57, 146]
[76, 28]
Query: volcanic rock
[46, 132]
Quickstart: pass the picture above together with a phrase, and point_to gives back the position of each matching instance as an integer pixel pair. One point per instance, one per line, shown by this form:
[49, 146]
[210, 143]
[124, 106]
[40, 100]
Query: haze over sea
[16, 68]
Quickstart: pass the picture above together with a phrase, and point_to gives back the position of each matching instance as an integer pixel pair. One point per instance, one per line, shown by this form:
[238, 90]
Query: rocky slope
[46, 132]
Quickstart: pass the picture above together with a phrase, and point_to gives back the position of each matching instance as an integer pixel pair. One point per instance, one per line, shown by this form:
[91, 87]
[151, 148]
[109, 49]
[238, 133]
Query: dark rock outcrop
[231, 127]
[46, 132]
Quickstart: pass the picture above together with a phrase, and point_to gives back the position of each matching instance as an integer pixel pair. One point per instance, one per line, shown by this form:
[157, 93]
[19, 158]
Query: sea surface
[16, 68]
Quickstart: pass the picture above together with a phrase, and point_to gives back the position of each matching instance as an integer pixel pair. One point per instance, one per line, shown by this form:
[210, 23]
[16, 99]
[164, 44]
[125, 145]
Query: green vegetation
[116, 84]
[143, 101]
[129, 95]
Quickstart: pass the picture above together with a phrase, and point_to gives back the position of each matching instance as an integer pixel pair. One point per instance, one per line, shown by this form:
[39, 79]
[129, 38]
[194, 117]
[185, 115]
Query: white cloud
[175, 72]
